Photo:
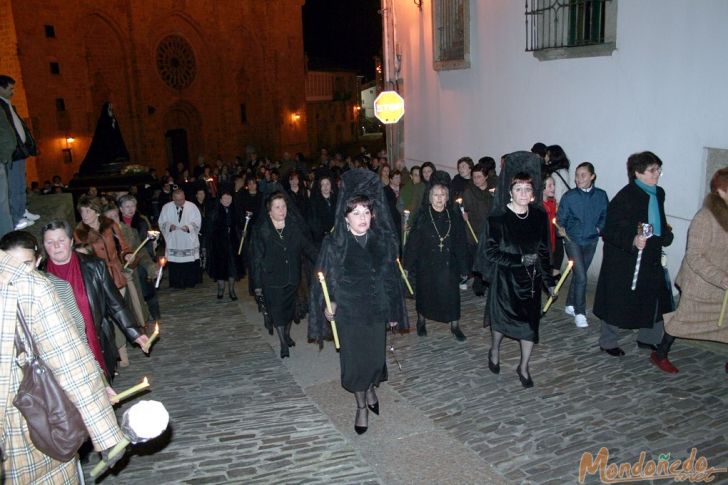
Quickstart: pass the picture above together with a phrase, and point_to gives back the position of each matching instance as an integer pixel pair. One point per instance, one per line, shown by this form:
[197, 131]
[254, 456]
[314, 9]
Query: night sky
[343, 34]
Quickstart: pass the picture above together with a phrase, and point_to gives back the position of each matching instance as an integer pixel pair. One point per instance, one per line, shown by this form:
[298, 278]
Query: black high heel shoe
[290, 341]
[232, 294]
[494, 368]
[357, 428]
[524, 382]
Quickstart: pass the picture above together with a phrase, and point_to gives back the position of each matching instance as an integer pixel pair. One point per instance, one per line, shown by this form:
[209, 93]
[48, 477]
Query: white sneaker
[23, 223]
[30, 216]
[569, 310]
[580, 321]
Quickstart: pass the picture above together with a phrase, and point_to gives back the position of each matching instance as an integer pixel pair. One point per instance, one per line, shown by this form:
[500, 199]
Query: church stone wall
[217, 56]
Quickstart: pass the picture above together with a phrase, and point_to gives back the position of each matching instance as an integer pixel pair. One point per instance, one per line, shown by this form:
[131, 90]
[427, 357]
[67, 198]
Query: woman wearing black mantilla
[436, 253]
[279, 239]
[358, 260]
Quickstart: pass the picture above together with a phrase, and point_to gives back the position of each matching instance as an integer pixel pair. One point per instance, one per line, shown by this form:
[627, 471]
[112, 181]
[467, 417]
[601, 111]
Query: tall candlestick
[150, 235]
[405, 227]
[404, 277]
[131, 391]
[723, 309]
[162, 261]
[325, 289]
[459, 201]
[558, 286]
[152, 338]
[561, 230]
[248, 215]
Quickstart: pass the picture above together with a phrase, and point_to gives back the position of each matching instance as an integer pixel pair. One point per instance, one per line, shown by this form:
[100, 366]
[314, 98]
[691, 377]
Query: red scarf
[550, 206]
[71, 272]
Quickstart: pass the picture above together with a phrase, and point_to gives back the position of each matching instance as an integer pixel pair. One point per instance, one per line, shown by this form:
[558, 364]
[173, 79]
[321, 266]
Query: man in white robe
[180, 223]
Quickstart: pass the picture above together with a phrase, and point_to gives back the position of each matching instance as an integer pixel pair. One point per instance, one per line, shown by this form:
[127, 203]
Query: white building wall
[663, 89]
[367, 101]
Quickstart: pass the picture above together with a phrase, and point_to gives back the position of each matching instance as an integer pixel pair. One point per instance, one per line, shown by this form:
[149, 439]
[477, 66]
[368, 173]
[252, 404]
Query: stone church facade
[187, 78]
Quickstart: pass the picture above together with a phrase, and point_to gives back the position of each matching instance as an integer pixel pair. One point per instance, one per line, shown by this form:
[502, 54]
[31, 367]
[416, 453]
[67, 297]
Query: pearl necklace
[511, 206]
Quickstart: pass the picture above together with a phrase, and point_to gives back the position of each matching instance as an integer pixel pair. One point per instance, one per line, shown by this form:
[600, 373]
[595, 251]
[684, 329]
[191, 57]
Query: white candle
[162, 262]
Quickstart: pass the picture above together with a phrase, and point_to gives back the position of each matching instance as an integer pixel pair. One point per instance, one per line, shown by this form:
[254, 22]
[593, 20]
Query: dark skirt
[281, 303]
[362, 354]
[184, 275]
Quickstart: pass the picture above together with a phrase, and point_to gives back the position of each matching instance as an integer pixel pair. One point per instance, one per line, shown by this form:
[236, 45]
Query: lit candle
[404, 277]
[248, 215]
[561, 230]
[162, 262]
[723, 309]
[406, 228]
[328, 308]
[558, 286]
[151, 339]
[459, 201]
[150, 235]
[131, 391]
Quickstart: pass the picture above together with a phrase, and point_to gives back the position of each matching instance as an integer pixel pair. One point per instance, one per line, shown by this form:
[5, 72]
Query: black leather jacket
[107, 308]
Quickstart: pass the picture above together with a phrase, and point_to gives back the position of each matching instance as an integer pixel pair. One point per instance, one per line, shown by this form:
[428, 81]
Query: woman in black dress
[517, 246]
[278, 241]
[436, 254]
[323, 208]
[358, 260]
[223, 241]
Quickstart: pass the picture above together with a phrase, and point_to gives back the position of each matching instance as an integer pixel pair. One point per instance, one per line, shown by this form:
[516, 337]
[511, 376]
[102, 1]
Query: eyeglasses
[655, 170]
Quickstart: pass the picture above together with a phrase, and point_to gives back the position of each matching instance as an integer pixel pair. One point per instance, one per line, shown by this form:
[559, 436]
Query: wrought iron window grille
[565, 23]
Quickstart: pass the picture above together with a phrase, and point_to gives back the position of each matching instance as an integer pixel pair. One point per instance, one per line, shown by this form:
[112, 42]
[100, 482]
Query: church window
[50, 31]
[176, 62]
[60, 104]
[55, 68]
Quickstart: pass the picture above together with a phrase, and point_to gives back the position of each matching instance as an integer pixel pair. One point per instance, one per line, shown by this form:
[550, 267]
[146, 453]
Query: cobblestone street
[241, 415]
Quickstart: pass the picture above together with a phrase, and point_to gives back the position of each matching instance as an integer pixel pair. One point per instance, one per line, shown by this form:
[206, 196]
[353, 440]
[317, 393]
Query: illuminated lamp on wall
[68, 151]
[295, 117]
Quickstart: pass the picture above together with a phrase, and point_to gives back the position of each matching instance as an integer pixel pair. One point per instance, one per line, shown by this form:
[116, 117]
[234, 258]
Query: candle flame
[156, 327]
[553, 220]
[320, 275]
[145, 381]
[162, 261]
[459, 200]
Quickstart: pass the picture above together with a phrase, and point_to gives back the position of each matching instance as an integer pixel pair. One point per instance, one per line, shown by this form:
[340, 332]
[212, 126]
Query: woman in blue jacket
[582, 214]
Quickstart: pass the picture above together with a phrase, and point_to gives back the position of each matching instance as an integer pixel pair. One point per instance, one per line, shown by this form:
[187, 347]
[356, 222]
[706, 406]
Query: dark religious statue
[107, 152]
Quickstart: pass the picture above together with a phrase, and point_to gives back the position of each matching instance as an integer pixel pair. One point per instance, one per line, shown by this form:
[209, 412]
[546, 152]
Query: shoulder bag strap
[28, 336]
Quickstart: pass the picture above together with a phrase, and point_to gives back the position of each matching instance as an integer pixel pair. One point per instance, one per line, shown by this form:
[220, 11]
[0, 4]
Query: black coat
[392, 199]
[321, 218]
[514, 298]
[368, 294]
[225, 230]
[276, 265]
[107, 308]
[614, 301]
[437, 271]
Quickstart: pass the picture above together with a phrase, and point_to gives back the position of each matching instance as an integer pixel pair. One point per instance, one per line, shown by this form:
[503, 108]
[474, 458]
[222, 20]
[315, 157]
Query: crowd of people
[341, 239]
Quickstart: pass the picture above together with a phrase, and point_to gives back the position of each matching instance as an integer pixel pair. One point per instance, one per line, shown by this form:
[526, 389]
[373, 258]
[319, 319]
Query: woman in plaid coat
[73, 366]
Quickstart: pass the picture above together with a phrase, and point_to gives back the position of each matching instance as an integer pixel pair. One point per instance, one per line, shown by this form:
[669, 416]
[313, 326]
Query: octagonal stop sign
[389, 107]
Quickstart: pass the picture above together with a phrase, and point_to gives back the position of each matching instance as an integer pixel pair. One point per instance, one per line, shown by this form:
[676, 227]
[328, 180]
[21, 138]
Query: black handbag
[54, 424]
